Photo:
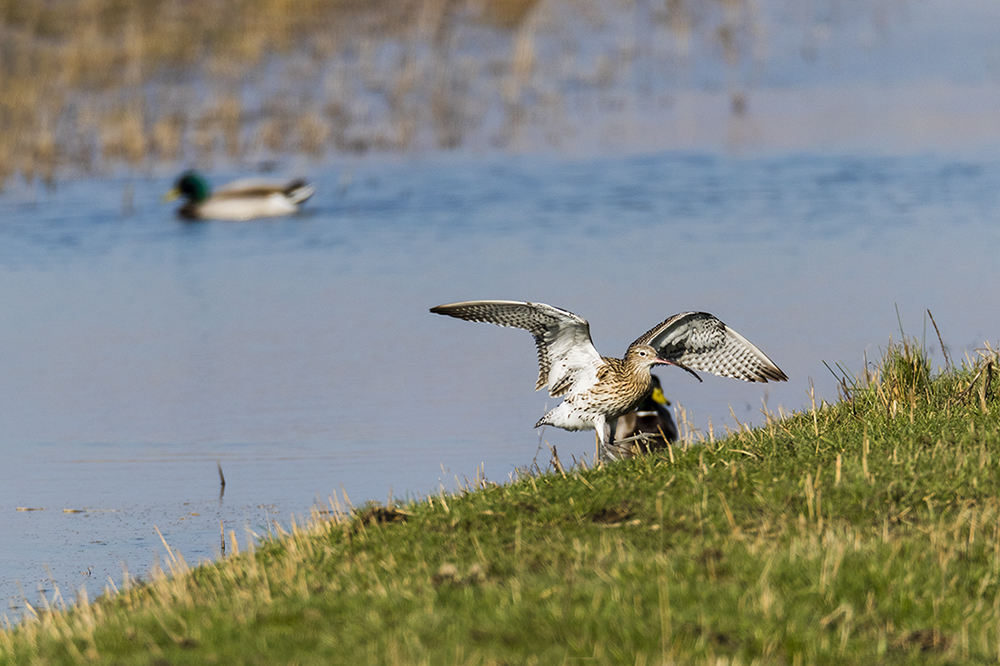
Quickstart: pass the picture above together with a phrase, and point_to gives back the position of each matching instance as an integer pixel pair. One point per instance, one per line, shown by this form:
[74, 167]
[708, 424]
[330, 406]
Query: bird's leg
[614, 450]
[603, 445]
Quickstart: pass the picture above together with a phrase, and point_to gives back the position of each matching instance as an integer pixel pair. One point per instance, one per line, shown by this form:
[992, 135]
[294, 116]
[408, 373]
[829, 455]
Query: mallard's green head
[192, 186]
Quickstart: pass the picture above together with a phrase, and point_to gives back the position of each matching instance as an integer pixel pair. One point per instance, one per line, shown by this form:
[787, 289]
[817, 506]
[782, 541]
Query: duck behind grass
[649, 428]
[240, 200]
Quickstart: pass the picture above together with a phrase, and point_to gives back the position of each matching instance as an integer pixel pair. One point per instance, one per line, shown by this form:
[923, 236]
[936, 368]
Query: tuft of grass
[851, 533]
[906, 373]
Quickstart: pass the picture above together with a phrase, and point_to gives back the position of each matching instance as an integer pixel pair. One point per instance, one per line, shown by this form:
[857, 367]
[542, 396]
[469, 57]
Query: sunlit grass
[862, 532]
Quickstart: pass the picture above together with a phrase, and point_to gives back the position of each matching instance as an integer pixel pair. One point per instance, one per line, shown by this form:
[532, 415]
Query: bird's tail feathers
[299, 191]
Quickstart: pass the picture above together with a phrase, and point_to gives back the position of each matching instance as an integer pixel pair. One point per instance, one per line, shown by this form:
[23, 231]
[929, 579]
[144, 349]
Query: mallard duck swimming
[240, 200]
[650, 423]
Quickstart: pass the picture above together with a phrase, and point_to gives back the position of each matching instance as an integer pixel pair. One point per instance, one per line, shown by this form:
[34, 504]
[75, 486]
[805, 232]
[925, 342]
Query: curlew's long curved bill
[700, 341]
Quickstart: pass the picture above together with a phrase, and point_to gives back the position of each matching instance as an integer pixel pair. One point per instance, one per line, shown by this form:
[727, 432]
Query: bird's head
[192, 186]
[642, 357]
[657, 395]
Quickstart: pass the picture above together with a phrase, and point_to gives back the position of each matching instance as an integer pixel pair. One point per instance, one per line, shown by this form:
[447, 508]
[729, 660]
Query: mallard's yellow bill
[172, 194]
[659, 398]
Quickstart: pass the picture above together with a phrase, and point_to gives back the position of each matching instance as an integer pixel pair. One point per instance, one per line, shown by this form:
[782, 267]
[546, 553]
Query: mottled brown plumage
[598, 389]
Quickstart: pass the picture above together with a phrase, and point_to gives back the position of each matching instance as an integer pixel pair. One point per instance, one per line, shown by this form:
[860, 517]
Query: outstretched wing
[699, 340]
[567, 358]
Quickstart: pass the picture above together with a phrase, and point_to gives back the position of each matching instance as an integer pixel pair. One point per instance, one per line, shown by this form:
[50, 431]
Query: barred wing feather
[567, 359]
[701, 341]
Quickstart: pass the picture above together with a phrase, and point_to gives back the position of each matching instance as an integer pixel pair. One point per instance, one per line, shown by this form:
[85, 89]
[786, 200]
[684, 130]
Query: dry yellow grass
[91, 84]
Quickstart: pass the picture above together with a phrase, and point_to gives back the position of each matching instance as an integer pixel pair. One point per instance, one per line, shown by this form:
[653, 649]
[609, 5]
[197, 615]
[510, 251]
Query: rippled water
[137, 351]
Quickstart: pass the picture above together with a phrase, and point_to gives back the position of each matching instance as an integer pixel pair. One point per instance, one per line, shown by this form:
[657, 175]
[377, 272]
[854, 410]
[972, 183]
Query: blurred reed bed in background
[91, 85]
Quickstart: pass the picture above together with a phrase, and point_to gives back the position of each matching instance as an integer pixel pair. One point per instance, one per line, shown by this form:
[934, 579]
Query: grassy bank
[858, 533]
